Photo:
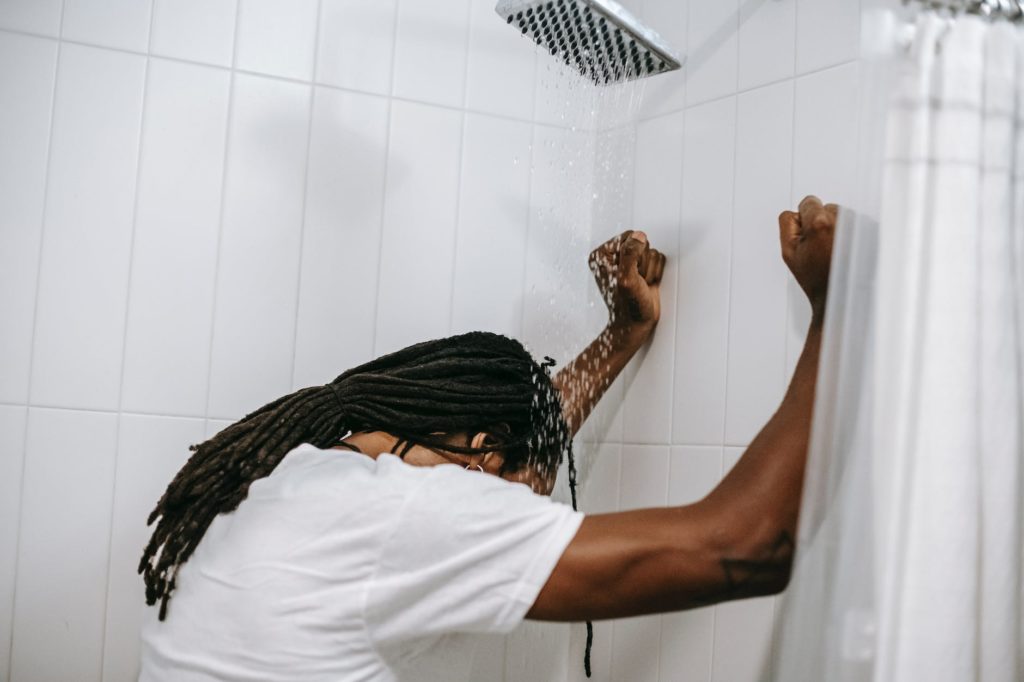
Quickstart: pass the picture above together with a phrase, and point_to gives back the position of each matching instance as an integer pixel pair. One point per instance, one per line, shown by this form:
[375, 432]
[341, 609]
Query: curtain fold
[909, 562]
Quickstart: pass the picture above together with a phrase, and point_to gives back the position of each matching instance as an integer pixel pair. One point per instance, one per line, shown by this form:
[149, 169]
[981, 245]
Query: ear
[492, 461]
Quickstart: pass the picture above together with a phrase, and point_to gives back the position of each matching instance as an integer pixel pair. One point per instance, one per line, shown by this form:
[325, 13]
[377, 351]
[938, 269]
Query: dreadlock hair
[477, 381]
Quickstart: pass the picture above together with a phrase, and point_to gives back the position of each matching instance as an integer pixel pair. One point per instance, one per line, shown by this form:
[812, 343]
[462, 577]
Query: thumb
[789, 233]
[632, 251]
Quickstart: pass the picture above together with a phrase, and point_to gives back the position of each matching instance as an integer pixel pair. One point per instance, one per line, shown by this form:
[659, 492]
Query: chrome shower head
[599, 37]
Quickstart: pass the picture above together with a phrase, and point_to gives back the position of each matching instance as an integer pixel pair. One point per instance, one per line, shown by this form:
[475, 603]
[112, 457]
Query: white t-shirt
[340, 567]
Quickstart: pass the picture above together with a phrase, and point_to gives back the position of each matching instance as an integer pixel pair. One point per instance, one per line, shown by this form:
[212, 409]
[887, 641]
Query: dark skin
[738, 541]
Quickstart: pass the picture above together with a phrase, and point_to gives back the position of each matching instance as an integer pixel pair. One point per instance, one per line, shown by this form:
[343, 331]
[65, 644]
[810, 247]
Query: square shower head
[599, 37]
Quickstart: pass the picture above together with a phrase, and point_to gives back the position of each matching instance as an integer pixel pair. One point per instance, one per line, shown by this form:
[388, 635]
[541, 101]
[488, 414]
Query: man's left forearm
[584, 381]
[628, 275]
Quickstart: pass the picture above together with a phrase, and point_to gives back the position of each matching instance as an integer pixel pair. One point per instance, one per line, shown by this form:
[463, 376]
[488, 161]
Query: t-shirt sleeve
[468, 553]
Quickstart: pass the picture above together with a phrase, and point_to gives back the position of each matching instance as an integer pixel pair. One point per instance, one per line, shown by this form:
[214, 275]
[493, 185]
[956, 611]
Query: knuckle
[822, 221]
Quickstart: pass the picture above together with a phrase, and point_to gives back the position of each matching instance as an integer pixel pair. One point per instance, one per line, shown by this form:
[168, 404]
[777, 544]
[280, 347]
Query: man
[328, 536]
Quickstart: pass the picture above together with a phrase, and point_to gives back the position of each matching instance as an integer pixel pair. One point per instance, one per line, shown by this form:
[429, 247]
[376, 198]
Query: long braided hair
[477, 381]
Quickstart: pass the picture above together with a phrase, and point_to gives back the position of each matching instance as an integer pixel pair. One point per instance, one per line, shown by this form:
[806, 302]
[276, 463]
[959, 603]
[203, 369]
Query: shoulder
[448, 481]
[453, 505]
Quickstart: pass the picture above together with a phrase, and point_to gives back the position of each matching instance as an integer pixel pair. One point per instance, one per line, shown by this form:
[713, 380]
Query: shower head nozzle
[599, 37]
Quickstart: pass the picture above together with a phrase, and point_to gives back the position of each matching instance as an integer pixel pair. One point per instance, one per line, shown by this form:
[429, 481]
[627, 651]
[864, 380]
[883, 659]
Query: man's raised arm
[738, 541]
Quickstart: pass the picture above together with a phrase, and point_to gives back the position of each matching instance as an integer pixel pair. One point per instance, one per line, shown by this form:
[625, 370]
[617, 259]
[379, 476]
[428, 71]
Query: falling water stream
[581, 195]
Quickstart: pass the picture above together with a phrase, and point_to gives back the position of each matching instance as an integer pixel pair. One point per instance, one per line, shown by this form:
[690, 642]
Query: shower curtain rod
[1008, 10]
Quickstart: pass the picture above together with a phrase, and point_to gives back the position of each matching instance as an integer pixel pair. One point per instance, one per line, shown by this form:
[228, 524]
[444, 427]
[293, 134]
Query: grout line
[732, 246]
[792, 183]
[732, 258]
[384, 191]
[676, 318]
[305, 195]
[390, 95]
[666, 502]
[458, 222]
[618, 508]
[461, 173]
[526, 230]
[752, 88]
[124, 343]
[714, 609]
[286, 79]
[465, 51]
[220, 219]
[32, 347]
[679, 225]
[133, 413]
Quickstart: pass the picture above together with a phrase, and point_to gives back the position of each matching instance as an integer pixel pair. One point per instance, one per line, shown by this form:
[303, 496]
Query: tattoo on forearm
[752, 577]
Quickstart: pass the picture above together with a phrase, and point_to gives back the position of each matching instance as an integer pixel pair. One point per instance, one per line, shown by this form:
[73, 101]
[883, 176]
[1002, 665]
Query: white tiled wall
[206, 204]
[769, 116]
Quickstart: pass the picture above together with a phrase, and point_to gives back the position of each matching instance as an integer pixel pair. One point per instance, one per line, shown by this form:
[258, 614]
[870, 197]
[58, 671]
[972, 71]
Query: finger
[615, 244]
[606, 253]
[789, 231]
[644, 264]
[633, 249]
[656, 268]
[810, 207]
[602, 259]
[789, 225]
[824, 221]
[660, 274]
[829, 217]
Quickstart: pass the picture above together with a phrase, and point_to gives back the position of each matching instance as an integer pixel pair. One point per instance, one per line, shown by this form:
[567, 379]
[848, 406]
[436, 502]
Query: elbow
[778, 547]
[778, 583]
[758, 561]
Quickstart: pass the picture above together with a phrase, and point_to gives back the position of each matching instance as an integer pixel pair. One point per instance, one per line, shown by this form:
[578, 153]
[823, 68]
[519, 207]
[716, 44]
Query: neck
[372, 443]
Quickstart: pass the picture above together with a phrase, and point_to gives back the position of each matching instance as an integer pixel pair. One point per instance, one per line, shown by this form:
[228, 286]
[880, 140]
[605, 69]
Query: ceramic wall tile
[67, 496]
[122, 24]
[177, 223]
[656, 204]
[766, 44]
[12, 455]
[341, 241]
[27, 71]
[277, 38]
[150, 451]
[420, 214]
[757, 313]
[357, 44]
[705, 240]
[491, 236]
[258, 267]
[195, 30]
[87, 232]
[430, 51]
[827, 33]
[712, 50]
[32, 16]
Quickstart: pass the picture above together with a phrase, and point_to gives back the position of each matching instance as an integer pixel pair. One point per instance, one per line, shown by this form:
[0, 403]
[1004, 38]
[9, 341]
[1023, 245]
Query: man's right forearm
[757, 505]
[737, 542]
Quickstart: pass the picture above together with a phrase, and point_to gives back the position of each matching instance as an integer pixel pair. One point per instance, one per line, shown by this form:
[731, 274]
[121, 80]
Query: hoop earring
[478, 467]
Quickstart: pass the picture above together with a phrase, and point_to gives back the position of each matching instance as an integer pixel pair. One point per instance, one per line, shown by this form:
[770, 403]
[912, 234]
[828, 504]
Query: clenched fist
[628, 274]
[806, 240]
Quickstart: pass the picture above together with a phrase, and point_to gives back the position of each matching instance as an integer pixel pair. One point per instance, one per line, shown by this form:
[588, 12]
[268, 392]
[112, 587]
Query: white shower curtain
[909, 565]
